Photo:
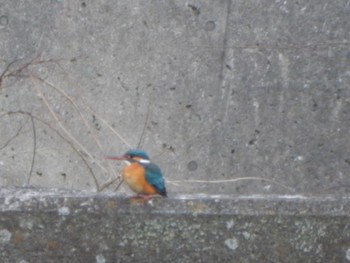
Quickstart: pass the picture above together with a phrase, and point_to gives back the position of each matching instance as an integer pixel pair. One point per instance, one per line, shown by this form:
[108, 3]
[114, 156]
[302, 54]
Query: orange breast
[134, 176]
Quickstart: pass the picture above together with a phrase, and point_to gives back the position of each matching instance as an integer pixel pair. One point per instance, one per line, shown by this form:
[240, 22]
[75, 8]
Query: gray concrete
[225, 89]
[229, 89]
[38, 225]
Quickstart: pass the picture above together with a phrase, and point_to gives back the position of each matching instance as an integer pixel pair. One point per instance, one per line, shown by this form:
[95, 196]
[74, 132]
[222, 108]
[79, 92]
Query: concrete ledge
[46, 225]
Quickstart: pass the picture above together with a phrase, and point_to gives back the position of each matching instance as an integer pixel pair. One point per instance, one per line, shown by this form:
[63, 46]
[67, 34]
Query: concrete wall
[214, 91]
[37, 225]
[227, 89]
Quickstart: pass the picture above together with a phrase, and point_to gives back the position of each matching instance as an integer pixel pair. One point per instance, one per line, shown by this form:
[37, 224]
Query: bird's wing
[154, 177]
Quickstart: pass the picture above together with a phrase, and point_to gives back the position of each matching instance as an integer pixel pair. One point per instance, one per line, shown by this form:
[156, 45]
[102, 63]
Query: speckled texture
[43, 225]
[229, 89]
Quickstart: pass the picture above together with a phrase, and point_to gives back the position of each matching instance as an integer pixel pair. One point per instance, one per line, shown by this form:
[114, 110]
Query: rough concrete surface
[38, 225]
[224, 89]
[247, 100]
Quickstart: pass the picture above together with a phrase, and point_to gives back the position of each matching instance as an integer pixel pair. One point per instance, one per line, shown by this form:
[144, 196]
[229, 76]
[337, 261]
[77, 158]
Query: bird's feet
[140, 198]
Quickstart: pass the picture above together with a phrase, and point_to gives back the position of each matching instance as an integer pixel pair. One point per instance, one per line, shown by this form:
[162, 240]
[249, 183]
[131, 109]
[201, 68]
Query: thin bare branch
[86, 123]
[34, 149]
[12, 138]
[18, 71]
[145, 124]
[58, 121]
[120, 183]
[3, 74]
[64, 139]
[92, 111]
[109, 126]
[104, 186]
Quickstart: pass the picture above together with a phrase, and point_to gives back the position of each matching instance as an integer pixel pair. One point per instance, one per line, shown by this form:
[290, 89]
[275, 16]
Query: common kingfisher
[141, 175]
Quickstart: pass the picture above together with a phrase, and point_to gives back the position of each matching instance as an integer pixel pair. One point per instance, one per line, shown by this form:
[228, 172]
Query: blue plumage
[154, 177]
[137, 153]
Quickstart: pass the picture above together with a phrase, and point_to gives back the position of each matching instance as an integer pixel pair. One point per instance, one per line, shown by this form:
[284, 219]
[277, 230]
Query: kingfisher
[141, 175]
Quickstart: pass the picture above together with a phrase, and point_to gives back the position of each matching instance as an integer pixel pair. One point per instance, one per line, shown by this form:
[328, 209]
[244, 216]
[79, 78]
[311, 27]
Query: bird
[142, 176]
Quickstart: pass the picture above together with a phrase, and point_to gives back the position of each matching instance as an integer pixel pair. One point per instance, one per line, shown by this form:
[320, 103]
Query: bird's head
[134, 155]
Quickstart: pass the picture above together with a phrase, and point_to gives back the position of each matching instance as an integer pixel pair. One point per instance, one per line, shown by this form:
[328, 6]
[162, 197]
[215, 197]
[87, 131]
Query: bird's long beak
[118, 158]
